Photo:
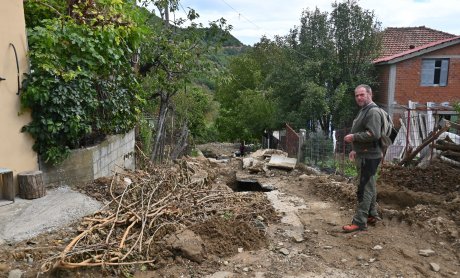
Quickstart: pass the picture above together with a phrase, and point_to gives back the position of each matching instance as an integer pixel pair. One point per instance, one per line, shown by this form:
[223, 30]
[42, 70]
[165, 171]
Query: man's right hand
[348, 138]
[352, 155]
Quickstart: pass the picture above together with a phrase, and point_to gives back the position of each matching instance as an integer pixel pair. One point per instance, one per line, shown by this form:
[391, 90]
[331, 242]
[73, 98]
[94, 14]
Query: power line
[240, 14]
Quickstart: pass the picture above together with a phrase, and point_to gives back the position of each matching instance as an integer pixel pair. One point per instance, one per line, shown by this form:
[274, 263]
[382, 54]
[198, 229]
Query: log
[450, 161]
[31, 185]
[451, 154]
[447, 147]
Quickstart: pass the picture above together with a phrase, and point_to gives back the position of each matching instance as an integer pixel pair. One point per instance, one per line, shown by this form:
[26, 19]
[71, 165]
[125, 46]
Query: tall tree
[329, 55]
[356, 35]
[246, 108]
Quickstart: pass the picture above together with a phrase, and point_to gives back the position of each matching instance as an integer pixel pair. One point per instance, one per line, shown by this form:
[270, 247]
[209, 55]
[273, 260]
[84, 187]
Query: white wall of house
[15, 147]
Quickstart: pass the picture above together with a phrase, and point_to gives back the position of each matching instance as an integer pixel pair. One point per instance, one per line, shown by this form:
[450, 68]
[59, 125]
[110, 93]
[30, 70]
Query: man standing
[367, 154]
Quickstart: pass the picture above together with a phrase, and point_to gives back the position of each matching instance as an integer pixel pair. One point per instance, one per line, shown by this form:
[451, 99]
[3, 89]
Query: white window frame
[434, 72]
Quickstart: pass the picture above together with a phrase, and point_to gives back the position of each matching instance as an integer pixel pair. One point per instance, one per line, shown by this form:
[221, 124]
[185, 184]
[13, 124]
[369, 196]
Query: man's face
[362, 97]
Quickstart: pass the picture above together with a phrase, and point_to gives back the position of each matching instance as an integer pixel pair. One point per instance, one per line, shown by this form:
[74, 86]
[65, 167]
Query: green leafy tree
[194, 106]
[326, 57]
[357, 43]
[246, 109]
[171, 57]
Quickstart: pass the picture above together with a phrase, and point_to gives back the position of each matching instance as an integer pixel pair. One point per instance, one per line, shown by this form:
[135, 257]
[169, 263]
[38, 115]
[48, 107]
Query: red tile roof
[397, 40]
[453, 40]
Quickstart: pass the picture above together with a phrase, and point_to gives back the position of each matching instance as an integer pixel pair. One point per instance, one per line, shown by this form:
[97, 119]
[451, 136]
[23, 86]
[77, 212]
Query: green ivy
[81, 82]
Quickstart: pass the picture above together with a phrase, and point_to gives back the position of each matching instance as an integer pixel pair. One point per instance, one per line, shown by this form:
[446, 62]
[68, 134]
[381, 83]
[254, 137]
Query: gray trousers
[367, 190]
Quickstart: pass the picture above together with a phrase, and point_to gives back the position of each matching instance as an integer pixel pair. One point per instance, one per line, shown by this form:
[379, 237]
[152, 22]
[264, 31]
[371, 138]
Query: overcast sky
[251, 19]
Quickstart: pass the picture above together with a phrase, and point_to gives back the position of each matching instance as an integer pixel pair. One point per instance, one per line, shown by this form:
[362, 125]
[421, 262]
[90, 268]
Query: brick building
[418, 65]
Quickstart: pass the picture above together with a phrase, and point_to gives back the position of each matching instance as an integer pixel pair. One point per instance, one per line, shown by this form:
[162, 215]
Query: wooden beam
[427, 141]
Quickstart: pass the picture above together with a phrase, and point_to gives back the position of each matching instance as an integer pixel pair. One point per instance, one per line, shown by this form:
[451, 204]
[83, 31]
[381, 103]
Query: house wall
[16, 151]
[380, 94]
[408, 74]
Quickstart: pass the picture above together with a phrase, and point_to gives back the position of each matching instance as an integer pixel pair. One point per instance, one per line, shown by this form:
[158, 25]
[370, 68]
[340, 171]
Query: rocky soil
[292, 230]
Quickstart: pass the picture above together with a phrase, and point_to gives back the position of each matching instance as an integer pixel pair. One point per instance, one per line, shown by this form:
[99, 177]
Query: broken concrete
[278, 161]
[266, 184]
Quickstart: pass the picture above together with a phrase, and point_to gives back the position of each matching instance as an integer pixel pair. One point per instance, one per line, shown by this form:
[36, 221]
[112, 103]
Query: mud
[295, 230]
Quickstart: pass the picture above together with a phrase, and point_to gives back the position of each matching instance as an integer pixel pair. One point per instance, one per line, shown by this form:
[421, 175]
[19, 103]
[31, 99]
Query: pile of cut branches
[145, 207]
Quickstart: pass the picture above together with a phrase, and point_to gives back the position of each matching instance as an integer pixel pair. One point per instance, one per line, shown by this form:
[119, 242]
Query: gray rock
[188, 244]
[426, 252]
[377, 247]
[221, 274]
[15, 273]
[298, 238]
[284, 251]
[304, 177]
[435, 267]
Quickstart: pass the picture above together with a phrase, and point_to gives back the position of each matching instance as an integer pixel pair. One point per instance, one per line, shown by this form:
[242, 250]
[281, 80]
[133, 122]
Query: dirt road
[300, 236]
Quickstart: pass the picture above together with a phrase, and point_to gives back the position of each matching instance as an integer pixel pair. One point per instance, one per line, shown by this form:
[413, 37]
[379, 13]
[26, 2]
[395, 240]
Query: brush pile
[144, 207]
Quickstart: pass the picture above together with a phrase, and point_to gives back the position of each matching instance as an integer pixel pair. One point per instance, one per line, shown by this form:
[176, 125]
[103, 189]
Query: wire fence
[414, 133]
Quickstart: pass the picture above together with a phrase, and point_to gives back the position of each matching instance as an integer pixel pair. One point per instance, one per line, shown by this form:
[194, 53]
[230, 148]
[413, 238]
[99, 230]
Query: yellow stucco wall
[15, 147]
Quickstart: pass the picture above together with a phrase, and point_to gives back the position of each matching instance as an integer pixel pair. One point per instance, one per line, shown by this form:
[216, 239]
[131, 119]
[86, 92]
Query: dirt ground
[292, 231]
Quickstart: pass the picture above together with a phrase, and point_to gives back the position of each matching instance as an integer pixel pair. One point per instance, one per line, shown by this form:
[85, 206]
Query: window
[434, 72]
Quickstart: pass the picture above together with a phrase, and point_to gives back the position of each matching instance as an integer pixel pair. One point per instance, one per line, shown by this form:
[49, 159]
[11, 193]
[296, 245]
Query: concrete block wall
[114, 154]
[105, 159]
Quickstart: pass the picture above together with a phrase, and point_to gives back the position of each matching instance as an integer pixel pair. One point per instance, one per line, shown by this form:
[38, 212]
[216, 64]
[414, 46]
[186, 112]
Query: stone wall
[110, 156]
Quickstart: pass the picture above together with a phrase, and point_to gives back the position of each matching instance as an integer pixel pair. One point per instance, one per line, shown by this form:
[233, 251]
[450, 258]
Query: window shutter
[444, 72]
[427, 77]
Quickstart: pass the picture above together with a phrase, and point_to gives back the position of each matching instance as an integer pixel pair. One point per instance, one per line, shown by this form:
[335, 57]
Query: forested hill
[228, 40]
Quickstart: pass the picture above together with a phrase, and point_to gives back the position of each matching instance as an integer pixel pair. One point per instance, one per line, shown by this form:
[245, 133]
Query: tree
[246, 108]
[326, 57]
[171, 57]
[357, 43]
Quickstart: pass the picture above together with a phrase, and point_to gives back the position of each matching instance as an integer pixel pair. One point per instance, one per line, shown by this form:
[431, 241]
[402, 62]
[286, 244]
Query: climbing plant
[81, 82]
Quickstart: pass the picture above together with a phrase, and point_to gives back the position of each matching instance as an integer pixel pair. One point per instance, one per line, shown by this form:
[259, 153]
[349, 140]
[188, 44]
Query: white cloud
[253, 19]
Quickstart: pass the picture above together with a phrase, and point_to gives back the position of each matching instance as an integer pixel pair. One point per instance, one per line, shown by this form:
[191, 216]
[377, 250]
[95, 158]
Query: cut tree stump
[31, 185]
[7, 188]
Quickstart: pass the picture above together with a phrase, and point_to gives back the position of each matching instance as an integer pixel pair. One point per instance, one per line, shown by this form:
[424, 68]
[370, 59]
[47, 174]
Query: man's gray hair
[366, 87]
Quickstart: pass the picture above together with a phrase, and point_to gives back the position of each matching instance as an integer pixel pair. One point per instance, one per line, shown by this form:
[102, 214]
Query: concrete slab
[278, 161]
[25, 219]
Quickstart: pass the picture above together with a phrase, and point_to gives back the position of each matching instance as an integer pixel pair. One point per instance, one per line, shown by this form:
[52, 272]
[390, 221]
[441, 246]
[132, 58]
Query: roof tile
[396, 40]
